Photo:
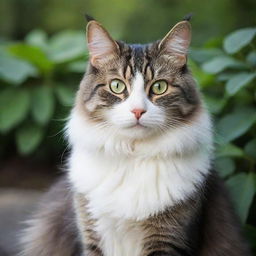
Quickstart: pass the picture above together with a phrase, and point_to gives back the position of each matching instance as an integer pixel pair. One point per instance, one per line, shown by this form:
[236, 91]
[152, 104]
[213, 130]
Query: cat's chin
[137, 126]
[137, 131]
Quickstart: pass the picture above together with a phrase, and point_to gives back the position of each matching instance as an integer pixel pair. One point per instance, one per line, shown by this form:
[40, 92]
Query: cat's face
[138, 90]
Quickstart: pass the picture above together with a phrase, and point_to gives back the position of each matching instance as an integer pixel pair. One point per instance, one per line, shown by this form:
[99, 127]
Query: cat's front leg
[92, 250]
[169, 253]
[165, 249]
[166, 234]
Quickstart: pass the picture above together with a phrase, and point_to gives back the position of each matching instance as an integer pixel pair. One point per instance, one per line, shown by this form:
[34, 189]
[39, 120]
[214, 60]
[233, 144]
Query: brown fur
[53, 230]
[180, 102]
[201, 226]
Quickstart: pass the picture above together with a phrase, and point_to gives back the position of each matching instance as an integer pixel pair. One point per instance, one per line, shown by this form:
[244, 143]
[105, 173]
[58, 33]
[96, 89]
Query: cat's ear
[177, 41]
[101, 46]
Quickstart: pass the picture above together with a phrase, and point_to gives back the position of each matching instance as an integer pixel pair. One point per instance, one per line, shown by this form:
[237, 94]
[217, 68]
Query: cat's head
[138, 91]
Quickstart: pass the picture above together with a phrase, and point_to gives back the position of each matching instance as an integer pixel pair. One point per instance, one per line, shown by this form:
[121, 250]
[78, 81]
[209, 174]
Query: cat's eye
[117, 86]
[159, 87]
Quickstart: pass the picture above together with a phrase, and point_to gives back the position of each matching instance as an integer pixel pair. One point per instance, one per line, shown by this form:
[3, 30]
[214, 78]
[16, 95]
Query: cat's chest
[133, 188]
[119, 237]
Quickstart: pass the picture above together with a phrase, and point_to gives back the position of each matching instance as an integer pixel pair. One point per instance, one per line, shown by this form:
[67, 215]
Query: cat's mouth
[137, 125]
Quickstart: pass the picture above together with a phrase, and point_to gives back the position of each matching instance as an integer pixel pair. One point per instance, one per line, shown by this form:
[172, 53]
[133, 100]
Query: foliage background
[43, 56]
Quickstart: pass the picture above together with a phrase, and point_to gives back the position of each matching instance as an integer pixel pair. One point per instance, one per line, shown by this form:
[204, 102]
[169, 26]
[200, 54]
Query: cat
[140, 179]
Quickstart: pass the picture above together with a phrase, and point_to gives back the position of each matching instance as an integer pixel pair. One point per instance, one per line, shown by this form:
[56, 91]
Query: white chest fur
[119, 237]
[134, 188]
[126, 182]
[122, 191]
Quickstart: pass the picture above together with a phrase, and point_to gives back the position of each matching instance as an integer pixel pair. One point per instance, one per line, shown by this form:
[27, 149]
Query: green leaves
[32, 88]
[67, 46]
[77, 66]
[233, 125]
[37, 38]
[251, 58]
[28, 138]
[42, 104]
[214, 104]
[238, 39]
[242, 189]
[225, 166]
[14, 70]
[221, 63]
[228, 150]
[65, 95]
[202, 78]
[14, 106]
[238, 81]
[231, 98]
[32, 54]
[202, 55]
[250, 148]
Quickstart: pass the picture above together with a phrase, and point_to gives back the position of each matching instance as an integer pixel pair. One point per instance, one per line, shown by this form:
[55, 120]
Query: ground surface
[15, 207]
[22, 182]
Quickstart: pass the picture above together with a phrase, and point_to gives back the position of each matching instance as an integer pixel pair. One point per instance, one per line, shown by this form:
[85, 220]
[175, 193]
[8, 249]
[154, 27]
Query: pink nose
[138, 112]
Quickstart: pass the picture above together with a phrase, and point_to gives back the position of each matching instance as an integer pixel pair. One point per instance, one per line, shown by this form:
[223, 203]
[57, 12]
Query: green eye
[159, 87]
[117, 86]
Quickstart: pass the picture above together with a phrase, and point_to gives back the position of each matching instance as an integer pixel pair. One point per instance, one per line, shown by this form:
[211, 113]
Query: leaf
[243, 98]
[33, 55]
[65, 94]
[42, 104]
[225, 76]
[238, 81]
[14, 70]
[78, 66]
[28, 138]
[236, 124]
[250, 148]
[67, 46]
[203, 79]
[202, 55]
[221, 63]
[4, 50]
[228, 150]
[37, 38]
[225, 166]
[214, 104]
[214, 42]
[251, 58]
[238, 39]
[14, 106]
[242, 191]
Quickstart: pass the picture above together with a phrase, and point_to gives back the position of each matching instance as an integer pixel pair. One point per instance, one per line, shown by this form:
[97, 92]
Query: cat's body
[140, 181]
[200, 226]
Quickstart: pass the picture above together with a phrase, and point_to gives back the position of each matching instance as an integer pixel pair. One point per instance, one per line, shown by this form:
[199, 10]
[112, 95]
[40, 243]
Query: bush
[227, 77]
[38, 80]
[40, 76]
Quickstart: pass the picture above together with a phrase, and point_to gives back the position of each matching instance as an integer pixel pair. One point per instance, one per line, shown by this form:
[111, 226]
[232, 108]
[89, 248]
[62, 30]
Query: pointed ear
[177, 41]
[101, 46]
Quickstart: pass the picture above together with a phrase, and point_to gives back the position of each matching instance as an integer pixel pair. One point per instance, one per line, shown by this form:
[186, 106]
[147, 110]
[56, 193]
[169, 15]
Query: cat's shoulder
[52, 228]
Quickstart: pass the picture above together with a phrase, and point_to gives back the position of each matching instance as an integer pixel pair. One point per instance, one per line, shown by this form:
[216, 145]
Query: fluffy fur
[153, 173]
[137, 186]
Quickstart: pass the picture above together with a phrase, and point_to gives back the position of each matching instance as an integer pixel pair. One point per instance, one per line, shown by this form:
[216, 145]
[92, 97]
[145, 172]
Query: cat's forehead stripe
[138, 61]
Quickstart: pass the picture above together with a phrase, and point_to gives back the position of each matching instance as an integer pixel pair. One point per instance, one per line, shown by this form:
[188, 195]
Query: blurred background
[42, 59]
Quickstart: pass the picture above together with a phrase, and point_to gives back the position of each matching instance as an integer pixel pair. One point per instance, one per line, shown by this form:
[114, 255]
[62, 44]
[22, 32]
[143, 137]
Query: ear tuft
[188, 17]
[88, 18]
[101, 46]
[177, 41]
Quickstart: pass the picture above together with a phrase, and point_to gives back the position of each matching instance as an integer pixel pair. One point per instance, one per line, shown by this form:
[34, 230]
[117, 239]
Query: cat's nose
[138, 112]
